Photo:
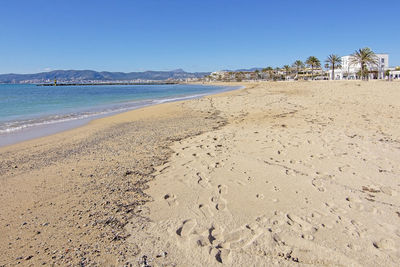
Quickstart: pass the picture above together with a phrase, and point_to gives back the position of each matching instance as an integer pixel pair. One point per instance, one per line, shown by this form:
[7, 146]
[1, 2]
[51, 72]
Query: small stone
[128, 173]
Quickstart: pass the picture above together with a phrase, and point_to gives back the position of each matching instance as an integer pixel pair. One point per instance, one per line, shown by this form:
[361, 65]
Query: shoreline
[65, 198]
[90, 84]
[273, 173]
[43, 130]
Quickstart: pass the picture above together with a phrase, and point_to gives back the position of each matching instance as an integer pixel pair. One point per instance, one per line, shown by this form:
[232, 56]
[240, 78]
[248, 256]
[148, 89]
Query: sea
[28, 111]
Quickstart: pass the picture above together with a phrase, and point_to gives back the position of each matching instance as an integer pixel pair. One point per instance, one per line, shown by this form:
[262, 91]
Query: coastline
[271, 174]
[64, 197]
[47, 128]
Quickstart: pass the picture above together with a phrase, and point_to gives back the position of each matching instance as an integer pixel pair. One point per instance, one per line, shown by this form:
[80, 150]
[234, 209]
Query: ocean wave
[18, 125]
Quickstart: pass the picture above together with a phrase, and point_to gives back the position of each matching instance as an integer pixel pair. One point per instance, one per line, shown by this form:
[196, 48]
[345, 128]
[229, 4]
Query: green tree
[364, 57]
[333, 61]
[264, 72]
[258, 74]
[239, 76]
[313, 62]
[269, 70]
[298, 65]
[387, 74]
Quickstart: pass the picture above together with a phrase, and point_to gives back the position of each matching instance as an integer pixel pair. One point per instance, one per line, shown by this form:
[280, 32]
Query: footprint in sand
[385, 244]
[242, 237]
[222, 189]
[223, 256]
[187, 228]
[304, 225]
[260, 196]
[357, 206]
[206, 210]
[171, 199]
[202, 180]
[388, 191]
[221, 244]
[220, 203]
[332, 208]
[318, 184]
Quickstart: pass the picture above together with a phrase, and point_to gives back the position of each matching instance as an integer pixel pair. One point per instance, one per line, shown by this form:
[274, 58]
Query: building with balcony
[350, 71]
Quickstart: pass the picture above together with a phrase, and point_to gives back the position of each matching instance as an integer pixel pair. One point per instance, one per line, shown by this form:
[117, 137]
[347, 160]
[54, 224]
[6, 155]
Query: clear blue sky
[201, 35]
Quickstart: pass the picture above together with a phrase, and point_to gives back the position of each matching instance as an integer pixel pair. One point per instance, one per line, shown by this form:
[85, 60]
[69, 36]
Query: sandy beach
[275, 174]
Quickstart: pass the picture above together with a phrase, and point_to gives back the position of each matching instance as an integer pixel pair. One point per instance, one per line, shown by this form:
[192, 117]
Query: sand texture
[275, 174]
[65, 200]
[303, 174]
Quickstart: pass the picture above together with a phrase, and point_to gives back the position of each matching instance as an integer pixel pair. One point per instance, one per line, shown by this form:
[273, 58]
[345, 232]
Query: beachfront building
[308, 74]
[394, 73]
[216, 76]
[350, 71]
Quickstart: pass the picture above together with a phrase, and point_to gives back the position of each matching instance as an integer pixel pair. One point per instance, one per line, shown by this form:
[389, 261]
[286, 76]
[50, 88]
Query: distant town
[362, 64]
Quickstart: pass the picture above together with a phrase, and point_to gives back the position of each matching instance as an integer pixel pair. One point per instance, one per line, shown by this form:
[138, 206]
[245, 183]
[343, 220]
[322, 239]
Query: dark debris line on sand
[82, 222]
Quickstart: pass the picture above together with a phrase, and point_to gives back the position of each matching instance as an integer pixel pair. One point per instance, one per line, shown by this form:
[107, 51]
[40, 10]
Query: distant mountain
[90, 75]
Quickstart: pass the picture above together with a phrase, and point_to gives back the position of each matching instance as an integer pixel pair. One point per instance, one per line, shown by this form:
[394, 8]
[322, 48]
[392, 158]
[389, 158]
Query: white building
[394, 73]
[350, 71]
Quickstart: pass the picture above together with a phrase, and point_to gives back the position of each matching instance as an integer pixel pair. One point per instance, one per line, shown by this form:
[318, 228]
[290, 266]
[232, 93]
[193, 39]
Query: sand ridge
[304, 173]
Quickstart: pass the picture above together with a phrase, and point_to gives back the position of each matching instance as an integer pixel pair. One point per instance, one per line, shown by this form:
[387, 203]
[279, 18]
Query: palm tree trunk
[333, 72]
[312, 73]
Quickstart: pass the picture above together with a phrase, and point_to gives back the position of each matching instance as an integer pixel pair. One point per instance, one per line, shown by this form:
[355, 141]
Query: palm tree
[298, 64]
[326, 66]
[333, 61]
[313, 62]
[287, 70]
[364, 57]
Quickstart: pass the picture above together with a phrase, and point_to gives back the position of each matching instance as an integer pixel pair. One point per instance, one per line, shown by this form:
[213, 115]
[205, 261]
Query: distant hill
[90, 75]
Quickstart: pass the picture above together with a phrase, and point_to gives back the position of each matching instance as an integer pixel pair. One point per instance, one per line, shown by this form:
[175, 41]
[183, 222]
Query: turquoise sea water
[24, 106]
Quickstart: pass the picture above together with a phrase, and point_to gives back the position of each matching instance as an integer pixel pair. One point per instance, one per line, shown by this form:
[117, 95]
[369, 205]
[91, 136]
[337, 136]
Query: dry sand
[304, 173]
[66, 199]
[291, 173]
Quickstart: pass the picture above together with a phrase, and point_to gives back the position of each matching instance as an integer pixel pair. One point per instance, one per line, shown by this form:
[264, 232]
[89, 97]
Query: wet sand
[291, 173]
